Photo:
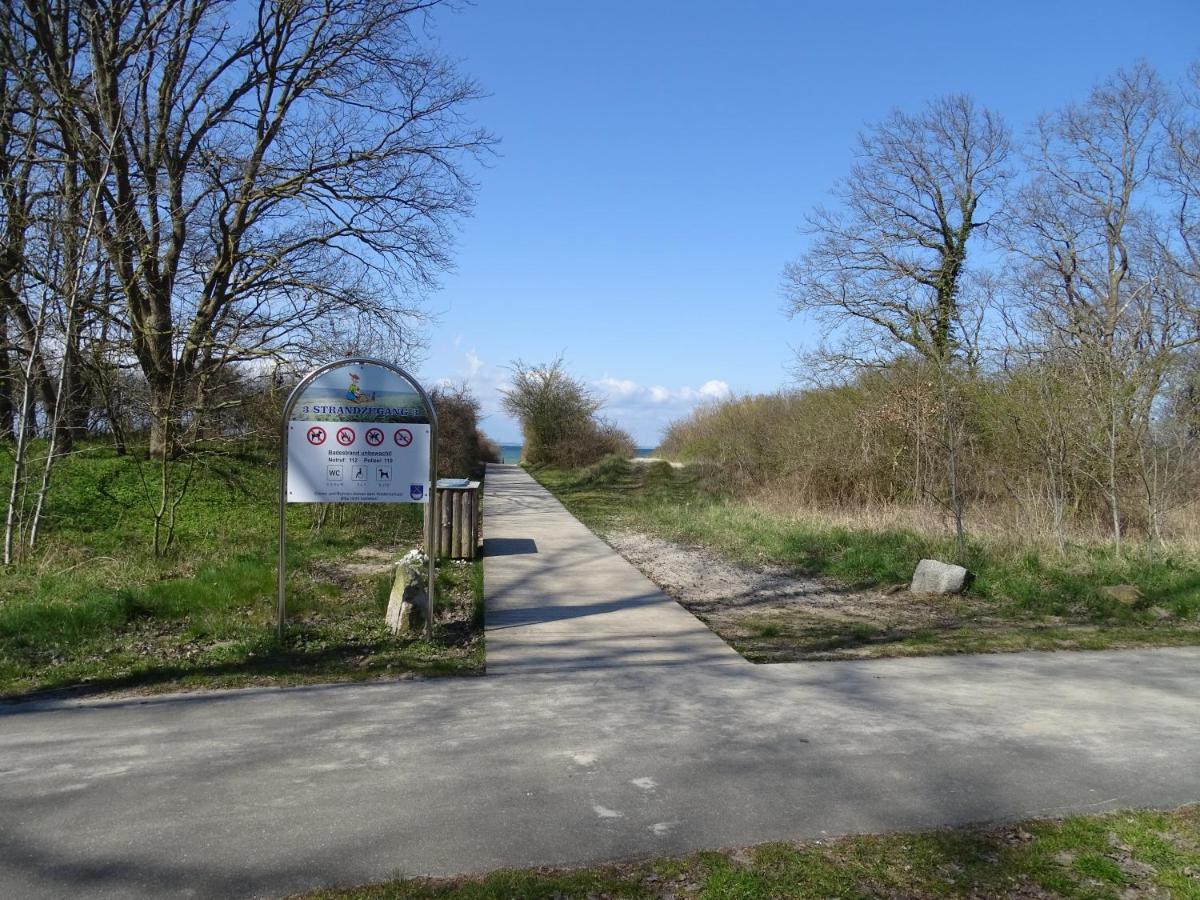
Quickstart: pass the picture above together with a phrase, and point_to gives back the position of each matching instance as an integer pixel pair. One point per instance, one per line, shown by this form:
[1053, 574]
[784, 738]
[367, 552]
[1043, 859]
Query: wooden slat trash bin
[456, 505]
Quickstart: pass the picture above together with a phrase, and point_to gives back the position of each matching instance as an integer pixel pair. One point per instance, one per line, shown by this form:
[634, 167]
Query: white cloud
[646, 411]
[714, 390]
[474, 363]
[616, 387]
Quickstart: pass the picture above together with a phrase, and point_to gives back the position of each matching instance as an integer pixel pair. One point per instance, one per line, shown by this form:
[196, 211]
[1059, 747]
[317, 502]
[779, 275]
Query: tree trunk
[164, 420]
[8, 384]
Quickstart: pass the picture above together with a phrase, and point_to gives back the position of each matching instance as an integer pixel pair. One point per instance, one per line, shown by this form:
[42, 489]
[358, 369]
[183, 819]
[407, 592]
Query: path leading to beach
[560, 600]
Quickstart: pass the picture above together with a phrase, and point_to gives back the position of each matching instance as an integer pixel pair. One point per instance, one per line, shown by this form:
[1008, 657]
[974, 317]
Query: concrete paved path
[559, 599]
[267, 792]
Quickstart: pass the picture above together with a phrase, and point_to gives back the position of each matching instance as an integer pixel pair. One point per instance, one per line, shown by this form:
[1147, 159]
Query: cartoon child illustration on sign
[355, 393]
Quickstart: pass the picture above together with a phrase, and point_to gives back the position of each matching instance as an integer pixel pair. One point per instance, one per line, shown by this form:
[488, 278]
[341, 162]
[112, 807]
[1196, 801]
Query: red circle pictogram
[345, 436]
[374, 436]
[402, 437]
[316, 436]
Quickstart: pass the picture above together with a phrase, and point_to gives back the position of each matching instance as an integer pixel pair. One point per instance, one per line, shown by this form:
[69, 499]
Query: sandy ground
[364, 562]
[647, 460]
[772, 614]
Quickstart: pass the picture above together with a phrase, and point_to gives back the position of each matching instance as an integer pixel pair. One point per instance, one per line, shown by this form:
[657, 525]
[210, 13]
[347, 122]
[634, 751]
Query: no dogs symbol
[316, 436]
[402, 437]
[345, 436]
[374, 436]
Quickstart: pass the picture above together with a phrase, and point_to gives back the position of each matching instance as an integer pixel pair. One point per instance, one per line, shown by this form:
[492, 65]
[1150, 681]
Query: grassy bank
[1022, 597]
[1128, 854]
[94, 609]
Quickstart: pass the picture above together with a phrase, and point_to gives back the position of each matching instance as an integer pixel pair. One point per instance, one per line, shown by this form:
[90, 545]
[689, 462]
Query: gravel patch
[771, 613]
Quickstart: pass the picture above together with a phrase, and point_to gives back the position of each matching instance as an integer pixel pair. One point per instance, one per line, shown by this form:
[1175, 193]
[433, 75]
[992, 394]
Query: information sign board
[357, 431]
[348, 462]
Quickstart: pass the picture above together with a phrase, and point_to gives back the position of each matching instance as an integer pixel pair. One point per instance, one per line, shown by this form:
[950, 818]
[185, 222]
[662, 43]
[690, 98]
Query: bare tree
[888, 262]
[1180, 169]
[1094, 281]
[887, 267]
[264, 179]
[20, 189]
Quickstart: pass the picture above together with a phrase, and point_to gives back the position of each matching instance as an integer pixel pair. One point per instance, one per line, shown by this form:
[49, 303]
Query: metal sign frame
[293, 397]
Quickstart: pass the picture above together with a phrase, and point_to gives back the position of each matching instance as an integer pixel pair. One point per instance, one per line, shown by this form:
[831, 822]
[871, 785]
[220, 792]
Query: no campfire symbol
[345, 436]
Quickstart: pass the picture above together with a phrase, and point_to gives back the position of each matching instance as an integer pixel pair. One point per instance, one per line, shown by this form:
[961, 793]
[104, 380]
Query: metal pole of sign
[297, 391]
[430, 506]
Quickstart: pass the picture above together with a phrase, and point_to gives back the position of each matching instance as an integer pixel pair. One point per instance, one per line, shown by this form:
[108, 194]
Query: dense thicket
[462, 447]
[199, 199]
[1055, 374]
[558, 416]
[878, 441]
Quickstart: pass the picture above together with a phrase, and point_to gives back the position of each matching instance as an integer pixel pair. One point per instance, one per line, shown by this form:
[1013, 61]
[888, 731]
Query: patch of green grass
[95, 610]
[1030, 600]
[1144, 853]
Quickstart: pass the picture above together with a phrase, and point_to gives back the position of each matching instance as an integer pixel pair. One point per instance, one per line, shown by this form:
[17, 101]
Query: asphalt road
[266, 792]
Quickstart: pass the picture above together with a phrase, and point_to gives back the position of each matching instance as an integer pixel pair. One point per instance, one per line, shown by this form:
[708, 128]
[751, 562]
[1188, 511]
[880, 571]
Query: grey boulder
[933, 577]
[1125, 594]
[406, 601]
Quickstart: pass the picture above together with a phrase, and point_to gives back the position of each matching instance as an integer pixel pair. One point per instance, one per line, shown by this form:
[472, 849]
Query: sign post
[357, 430]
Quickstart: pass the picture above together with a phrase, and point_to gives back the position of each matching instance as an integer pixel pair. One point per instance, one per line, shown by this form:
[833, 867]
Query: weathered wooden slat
[456, 552]
[470, 518]
[444, 498]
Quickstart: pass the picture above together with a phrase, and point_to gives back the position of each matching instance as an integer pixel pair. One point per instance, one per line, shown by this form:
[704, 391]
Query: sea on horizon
[511, 453]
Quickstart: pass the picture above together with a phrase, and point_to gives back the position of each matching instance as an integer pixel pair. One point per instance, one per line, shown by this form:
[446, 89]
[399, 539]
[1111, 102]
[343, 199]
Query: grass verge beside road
[95, 611]
[1119, 855]
[1021, 597]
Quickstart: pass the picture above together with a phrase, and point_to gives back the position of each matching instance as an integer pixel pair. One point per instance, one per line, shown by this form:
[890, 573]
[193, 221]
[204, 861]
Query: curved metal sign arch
[358, 430]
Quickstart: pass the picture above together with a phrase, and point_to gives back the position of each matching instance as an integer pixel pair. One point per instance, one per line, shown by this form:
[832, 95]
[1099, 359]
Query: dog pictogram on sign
[374, 436]
[345, 436]
[316, 436]
[402, 437]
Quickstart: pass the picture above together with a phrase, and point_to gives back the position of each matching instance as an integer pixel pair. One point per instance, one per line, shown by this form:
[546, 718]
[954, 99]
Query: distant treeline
[1034, 450]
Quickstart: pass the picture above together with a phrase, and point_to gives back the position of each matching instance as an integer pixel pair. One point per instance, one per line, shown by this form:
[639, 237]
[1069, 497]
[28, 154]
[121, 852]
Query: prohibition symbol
[316, 436]
[374, 436]
[402, 437]
[345, 436]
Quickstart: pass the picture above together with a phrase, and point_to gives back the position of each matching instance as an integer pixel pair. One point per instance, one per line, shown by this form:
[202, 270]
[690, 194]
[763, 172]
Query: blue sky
[657, 159]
